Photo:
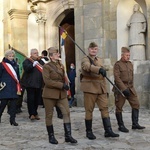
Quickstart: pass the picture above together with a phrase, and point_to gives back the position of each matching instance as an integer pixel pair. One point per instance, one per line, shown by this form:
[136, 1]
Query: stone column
[19, 29]
[79, 38]
[41, 19]
[39, 8]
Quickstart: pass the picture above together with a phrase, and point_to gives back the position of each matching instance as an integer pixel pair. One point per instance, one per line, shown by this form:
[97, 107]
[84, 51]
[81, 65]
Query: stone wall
[141, 81]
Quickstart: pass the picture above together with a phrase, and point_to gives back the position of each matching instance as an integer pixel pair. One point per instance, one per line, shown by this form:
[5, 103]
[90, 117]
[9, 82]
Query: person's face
[93, 51]
[136, 8]
[72, 66]
[55, 56]
[126, 56]
[10, 57]
[35, 54]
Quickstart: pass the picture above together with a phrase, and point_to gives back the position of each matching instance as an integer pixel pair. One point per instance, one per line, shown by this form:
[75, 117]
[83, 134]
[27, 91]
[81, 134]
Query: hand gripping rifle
[63, 30]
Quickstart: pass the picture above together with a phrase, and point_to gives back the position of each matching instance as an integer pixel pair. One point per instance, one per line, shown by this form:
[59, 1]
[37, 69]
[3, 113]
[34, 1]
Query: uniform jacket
[123, 75]
[10, 90]
[92, 81]
[32, 77]
[53, 76]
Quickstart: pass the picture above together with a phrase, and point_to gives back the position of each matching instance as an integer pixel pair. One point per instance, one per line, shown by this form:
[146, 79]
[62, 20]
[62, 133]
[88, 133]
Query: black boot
[59, 113]
[108, 129]
[68, 137]
[13, 122]
[51, 136]
[89, 133]
[18, 110]
[121, 128]
[135, 119]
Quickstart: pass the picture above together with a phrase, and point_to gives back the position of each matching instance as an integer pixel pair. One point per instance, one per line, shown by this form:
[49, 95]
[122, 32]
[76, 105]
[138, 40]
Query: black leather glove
[65, 87]
[102, 72]
[126, 92]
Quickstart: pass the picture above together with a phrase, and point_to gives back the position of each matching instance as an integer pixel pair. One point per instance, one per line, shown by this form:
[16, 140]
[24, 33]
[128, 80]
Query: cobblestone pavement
[32, 135]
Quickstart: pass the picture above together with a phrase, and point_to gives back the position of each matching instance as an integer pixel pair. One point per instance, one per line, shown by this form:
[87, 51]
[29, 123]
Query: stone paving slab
[32, 135]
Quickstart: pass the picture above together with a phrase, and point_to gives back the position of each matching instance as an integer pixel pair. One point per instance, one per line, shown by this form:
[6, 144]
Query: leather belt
[92, 78]
[128, 82]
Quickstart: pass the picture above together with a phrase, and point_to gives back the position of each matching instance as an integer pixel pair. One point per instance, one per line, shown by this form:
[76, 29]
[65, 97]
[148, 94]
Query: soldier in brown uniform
[94, 87]
[123, 75]
[55, 94]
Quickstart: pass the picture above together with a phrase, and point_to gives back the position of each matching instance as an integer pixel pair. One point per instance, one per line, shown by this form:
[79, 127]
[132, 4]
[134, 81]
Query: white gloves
[35, 63]
[2, 85]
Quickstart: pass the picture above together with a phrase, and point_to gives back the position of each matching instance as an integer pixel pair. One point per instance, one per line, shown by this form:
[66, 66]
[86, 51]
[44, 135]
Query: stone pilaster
[41, 20]
[79, 38]
[19, 29]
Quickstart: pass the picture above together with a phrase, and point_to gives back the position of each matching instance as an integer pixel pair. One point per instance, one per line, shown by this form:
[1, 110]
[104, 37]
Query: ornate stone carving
[21, 14]
[40, 16]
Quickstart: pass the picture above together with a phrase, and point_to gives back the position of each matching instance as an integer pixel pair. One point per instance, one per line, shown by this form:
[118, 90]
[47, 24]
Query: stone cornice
[20, 14]
[38, 1]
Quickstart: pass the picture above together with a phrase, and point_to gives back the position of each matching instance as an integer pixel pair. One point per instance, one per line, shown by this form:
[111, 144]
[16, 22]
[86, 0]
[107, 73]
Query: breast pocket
[130, 68]
[123, 72]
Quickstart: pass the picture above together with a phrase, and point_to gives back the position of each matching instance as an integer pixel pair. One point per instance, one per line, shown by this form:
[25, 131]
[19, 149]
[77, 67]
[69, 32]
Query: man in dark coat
[32, 80]
[72, 76]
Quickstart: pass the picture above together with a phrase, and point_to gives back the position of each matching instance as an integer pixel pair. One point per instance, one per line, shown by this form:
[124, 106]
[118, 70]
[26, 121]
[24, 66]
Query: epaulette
[117, 61]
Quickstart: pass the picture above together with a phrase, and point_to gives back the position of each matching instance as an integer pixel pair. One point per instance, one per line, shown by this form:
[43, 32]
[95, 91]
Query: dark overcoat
[71, 76]
[32, 77]
[10, 90]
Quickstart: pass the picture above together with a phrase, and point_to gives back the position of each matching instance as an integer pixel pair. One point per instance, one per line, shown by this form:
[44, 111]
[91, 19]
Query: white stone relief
[137, 29]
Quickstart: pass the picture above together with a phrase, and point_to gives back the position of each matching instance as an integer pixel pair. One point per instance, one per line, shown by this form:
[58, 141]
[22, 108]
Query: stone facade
[35, 24]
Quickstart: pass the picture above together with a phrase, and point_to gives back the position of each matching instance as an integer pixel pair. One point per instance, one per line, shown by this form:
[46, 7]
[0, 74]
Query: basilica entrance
[68, 24]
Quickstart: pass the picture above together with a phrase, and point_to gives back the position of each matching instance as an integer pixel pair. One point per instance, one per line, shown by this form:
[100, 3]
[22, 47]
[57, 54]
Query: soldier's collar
[55, 62]
[123, 61]
[93, 57]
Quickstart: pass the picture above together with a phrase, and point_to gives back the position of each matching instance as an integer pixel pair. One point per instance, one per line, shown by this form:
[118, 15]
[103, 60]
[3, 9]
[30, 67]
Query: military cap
[93, 44]
[125, 50]
[52, 50]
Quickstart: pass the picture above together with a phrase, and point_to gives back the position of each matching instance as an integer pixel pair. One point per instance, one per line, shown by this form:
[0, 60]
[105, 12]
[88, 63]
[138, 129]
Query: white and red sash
[13, 74]
[38, 66]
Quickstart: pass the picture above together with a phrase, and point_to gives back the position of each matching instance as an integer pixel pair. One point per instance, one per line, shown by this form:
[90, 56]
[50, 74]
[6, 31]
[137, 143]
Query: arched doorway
[68, 24]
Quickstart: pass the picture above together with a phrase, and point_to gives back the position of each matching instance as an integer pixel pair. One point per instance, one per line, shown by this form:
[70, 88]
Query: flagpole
[71, 39]
[90, 59]
[63, 61]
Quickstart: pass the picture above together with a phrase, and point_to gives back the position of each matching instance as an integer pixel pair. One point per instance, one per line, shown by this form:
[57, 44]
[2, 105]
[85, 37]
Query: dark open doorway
[68, 24]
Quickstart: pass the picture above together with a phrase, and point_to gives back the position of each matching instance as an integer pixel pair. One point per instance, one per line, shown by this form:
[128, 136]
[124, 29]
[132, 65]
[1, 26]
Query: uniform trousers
[120, 101]
[89, 103]
[49, 108]
[12, 107]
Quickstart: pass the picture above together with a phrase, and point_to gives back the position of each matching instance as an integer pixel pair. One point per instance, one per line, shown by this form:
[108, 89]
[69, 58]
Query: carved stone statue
[137, 29]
